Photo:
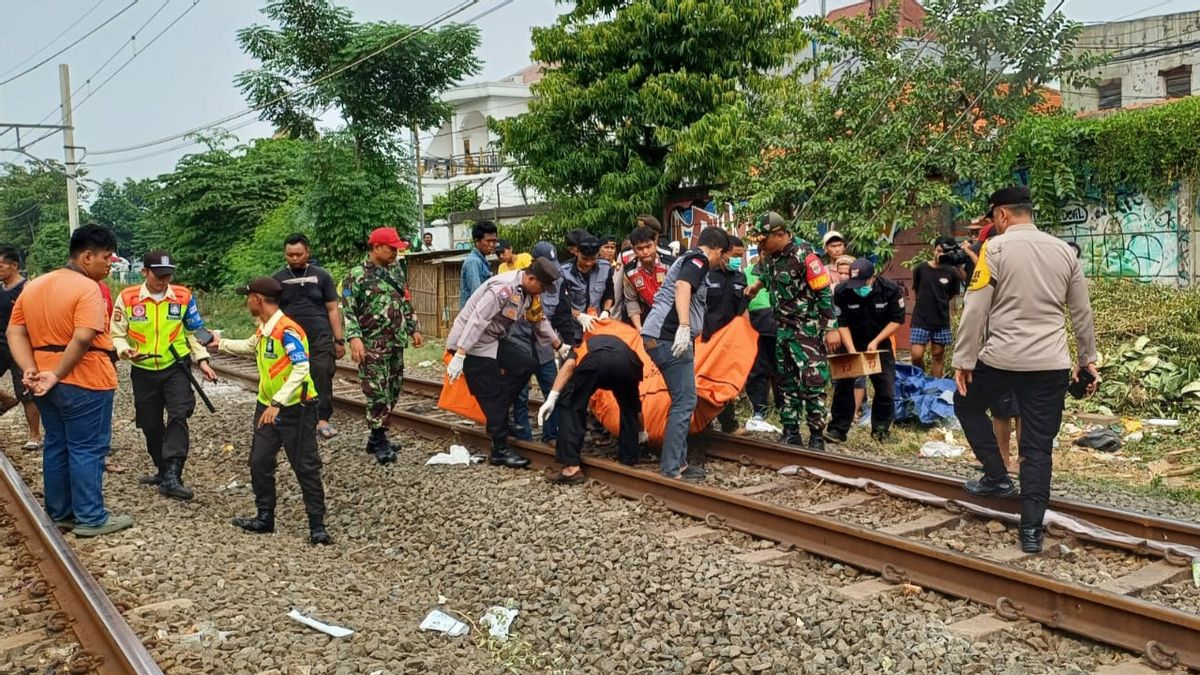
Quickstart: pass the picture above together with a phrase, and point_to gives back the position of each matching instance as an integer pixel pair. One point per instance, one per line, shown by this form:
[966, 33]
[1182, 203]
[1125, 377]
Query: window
[1109, 93]
[1178, 81]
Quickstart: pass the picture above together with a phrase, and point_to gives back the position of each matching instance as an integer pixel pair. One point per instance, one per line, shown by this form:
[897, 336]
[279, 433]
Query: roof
[527, 75]
[912, 14]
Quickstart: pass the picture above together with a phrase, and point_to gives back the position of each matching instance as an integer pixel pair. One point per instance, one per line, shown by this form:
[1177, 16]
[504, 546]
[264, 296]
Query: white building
[1150, 59]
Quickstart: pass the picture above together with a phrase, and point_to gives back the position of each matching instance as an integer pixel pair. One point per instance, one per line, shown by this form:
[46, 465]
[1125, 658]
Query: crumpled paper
[457, 455]
[326, 628]
[438, 621]
[498, 621]
[761, 425]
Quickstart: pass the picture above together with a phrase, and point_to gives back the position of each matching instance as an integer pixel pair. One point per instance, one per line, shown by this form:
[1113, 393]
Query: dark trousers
[1040, 395]
[883, 404]
[762, 380]
[156, 391]
[598, 370]
[322, 363]
[728, 417]
[295, 430]
[496, 383]
[521, 427]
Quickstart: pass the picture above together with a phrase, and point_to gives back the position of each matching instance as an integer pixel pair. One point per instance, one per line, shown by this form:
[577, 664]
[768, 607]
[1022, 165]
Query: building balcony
[473, 164]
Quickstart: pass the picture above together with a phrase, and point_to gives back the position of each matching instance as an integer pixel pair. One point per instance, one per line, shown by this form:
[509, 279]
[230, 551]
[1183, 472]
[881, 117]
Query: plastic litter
[761, 425]
[326, 628]
[457, 455]
[425, 364]
[940, 449]
[928, 399]
[1157, 422]
[440, 622]
[1103, 440]
[1135, 437]
[498, 621]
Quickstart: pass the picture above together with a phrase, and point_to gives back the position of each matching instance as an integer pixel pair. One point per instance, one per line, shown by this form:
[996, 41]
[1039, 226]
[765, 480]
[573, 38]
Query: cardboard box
[850, 366]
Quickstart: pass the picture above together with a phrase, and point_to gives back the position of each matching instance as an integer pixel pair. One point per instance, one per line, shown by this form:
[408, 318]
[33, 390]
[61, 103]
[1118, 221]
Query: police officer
[725, 300]
[379, 324]
[1013, 337]
[497, 367]
[286, 413]
[152, 326]
[870, 309]
[799, 285]
[643, 271]
[600, 362]
[589, 282]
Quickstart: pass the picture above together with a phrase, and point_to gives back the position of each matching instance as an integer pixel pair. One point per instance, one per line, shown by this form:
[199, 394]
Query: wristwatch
[339, 341]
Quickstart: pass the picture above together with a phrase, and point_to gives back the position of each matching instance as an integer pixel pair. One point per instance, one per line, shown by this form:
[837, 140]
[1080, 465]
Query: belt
[650, 343]
[110, 353]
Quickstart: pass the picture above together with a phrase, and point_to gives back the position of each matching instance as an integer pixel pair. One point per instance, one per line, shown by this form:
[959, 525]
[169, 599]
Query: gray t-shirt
[662, 321]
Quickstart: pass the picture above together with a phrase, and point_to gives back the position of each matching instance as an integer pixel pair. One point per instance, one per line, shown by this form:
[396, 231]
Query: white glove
[643, 437]
[683, 340]
[603, 316]
[563, 351]
[586, 320]
[547, 407]
[454, 368]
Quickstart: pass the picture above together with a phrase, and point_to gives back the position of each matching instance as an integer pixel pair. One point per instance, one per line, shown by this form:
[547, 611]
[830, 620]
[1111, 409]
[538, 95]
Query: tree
[30, 196]
[643, 99]
[263, 252]
[125, 208]
[50, 248]
[397, 87]
[902, 122]
[455, 200]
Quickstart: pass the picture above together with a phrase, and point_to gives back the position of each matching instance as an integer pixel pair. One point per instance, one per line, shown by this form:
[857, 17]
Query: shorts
[923, 336]
[860, 382]
[7, 363]
[1006, 407]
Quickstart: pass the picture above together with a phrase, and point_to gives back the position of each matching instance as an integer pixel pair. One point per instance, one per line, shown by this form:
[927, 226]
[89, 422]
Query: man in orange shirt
[58, 335]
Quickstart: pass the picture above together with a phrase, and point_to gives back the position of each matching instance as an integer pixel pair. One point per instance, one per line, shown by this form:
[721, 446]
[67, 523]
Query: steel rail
[110, 647]
[1166, 635]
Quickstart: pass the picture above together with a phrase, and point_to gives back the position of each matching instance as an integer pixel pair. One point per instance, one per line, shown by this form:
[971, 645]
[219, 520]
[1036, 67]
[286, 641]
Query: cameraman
[934, 284]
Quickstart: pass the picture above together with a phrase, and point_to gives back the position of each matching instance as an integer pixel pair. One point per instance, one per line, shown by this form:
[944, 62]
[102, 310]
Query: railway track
[54, 616]
[1150, 607]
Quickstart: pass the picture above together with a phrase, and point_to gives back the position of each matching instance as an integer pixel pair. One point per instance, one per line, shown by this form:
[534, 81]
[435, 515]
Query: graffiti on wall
[1132, 239]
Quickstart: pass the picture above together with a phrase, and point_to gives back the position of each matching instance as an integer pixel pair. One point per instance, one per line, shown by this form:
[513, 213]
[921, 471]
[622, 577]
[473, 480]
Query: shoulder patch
[815, 272]
[982, 276]
[698, 262]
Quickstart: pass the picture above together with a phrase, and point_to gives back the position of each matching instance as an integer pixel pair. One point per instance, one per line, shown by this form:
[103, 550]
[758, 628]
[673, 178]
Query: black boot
[816, 439]
[986, 487]
[1031, 538]
[262, 523]
[834, 436]
[791, 436]
[385, 453]
[171, 486]
[154, 478]
[377, 440]
[502, 456]
[317, 534]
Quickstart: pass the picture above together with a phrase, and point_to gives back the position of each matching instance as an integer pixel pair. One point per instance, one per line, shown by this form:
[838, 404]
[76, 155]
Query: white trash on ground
[326, 628]
[940, 449]
[457, 455]
[441, 622]
[425, 364]
[762, 425]
[1157, 422]
[498, 621]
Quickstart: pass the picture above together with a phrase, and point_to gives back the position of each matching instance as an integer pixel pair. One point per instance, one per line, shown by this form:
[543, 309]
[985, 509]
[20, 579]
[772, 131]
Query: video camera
[953, 255]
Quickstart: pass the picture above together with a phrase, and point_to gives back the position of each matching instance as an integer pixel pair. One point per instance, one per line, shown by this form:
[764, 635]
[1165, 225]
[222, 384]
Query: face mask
[863, 292]
[735, 264]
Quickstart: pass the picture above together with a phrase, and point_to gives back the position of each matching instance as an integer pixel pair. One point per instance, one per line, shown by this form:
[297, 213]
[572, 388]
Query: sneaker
[115, 523]
[694, 474]
[834, 436]
[66, 524]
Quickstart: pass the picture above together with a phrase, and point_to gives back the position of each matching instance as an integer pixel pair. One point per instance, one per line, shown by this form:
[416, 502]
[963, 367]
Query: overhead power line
[56, 38]
[83, 37]
[308, 85]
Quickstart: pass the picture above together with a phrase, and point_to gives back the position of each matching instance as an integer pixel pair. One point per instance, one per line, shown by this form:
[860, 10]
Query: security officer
[589, 283]
[496, 367]
[286, 414]
[643, 270]
[1013, 337]
[600, 362]
[379, 323]
[152, 326]
[799, 285]
[725, 300]
[870, 309]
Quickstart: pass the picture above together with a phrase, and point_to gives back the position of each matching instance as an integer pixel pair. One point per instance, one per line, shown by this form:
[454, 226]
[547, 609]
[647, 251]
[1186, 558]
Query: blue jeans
[78, 430]
[521, 428]
[679, 373]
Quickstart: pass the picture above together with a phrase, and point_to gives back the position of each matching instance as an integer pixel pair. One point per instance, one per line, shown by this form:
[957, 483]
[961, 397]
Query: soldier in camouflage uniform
[379, 320]
[802, 296]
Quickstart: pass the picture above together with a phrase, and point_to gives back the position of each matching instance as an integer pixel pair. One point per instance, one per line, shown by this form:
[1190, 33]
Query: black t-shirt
[934, 287]
[867, 317]
[725, 299]
[8, 298]
[304, 296]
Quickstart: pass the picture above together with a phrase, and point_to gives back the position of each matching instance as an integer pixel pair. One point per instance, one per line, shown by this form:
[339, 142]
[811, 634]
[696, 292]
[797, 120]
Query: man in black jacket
[870, 310]
[726, 289]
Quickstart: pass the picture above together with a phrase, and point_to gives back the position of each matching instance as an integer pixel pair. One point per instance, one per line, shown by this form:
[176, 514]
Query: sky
[185, 79]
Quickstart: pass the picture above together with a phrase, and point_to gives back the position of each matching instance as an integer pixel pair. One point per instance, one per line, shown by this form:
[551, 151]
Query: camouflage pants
[803, 372]
[381, 374]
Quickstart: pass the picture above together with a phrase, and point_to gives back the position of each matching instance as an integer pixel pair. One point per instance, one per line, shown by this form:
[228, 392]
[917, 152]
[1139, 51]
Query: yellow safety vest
[157, 325]
[274, 365]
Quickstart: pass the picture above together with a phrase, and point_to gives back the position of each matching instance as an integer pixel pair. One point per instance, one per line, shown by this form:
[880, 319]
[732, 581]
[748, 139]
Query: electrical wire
[118, 50]
[25, 212]
[56, 38]
[85, 36]
[308, 85]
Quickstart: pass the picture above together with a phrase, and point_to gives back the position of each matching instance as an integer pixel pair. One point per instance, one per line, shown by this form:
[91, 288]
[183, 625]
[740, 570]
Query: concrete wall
[1158, 37]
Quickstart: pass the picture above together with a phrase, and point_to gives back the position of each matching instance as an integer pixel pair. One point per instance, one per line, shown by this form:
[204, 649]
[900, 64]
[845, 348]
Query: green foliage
[50, 248]
[126, 209]
[1149, 150]
[351, 196]
[893, 122]
[263, 253]
[645, 96]
[525, 234]
[1151, 379]
[226, 311]
[456, 199]
[31, 195]
[397, 86]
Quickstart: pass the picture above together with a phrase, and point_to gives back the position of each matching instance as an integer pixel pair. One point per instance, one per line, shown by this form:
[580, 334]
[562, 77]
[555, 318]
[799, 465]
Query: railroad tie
[980, 626]
[1129, 667]
[1151, 575]
[867, 589]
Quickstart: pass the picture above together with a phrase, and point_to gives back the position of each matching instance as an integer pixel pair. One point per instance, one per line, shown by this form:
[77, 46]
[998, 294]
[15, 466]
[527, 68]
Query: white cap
[832, 234]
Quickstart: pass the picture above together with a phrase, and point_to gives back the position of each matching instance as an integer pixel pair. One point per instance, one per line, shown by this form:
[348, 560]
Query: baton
[187, 369]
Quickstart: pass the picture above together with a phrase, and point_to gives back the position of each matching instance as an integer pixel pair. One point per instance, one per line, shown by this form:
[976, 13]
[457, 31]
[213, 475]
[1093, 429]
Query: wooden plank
[1155, 573]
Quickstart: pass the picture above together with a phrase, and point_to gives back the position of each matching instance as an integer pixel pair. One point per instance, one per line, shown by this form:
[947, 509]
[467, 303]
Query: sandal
[113, 467]
[326, 431]
[31, 446]
[560, 478]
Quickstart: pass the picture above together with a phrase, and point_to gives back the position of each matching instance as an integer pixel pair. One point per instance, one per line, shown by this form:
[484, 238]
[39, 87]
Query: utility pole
[420, 196]
[64, 86]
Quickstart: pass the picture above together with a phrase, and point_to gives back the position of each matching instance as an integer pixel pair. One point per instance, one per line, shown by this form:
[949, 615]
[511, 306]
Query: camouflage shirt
[377, 304]
[800, 288]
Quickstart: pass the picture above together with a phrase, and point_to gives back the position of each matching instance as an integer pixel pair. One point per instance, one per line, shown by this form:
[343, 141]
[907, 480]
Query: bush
[50, 249]
[263, 253]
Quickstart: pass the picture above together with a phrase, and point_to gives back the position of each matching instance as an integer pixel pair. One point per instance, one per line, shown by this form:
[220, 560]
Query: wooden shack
[433, 281]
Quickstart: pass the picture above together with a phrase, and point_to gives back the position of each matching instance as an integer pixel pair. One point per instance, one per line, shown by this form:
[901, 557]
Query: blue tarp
[930, 400]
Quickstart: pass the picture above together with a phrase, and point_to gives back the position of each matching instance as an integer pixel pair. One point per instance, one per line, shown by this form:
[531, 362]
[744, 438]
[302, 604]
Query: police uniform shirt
[867, 317]
[489, 314]
[589, 290]
[662, 321]
[725, 299]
